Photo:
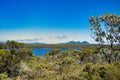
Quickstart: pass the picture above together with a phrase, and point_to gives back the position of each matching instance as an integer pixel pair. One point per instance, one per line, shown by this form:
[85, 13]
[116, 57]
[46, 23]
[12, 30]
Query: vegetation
[92, 62]
[106, 30]
[58, 45]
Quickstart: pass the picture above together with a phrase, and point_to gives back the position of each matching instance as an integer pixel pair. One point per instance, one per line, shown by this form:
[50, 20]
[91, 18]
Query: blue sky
[51, 21]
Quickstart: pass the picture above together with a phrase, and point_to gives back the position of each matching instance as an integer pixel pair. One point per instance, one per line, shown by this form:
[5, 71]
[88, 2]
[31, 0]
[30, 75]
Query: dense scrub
[85, 64]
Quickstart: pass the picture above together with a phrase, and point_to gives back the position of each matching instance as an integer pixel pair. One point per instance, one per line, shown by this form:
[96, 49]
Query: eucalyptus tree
[106, 31]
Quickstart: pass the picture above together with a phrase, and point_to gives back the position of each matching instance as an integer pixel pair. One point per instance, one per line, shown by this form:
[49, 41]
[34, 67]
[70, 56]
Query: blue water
[42, 51]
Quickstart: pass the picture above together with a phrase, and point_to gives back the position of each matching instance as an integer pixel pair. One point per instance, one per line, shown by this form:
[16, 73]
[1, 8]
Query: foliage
[63, 66]
[1, 45]
[53, 52]
[24, 53]
[4, 77]
[101, 72]
[13, 45]
[8, 60]
[106, 30]
[4, 56]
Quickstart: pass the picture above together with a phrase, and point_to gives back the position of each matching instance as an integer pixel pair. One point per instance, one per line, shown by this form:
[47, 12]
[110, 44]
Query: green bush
[24, 53]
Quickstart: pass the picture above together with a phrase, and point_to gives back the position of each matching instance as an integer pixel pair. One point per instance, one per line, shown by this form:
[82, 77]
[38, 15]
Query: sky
[51, 21]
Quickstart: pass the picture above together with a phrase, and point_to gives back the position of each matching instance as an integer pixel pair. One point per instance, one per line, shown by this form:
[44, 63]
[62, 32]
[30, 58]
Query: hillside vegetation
[85, 64]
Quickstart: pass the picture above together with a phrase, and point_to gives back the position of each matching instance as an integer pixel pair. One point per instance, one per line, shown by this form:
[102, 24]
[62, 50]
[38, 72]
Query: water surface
[42, 51]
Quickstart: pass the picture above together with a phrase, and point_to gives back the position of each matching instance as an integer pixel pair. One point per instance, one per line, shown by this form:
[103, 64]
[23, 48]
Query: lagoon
[42, 51]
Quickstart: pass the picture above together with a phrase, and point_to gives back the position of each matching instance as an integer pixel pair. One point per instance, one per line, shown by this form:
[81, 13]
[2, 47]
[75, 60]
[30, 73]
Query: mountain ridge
[69, 43]
[77, 42]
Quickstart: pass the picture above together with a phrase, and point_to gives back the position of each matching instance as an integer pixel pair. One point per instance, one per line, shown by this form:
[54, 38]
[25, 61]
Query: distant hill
[77, 42]
[70, 42]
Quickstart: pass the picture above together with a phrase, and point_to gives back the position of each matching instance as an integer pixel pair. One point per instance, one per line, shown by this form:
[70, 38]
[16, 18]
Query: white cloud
[25, 40]
[46, 37]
